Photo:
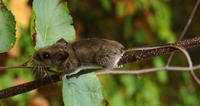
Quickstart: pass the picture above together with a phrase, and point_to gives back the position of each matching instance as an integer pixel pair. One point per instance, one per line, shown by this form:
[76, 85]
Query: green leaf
[82, 91]
[7, 29]
[52, 22]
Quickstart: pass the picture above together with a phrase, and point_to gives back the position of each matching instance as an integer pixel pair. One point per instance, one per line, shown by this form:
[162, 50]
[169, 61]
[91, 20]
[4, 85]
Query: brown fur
[67, 57]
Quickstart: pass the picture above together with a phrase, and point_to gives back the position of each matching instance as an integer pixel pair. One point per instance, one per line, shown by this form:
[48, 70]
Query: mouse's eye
[46, 55]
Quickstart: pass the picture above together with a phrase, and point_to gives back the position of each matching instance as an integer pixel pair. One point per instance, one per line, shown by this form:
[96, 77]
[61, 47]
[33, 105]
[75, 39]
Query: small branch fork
[141, 55]
[185, 29]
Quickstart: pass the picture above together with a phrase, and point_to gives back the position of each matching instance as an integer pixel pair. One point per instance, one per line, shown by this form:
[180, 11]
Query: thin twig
[189, 62]
[16, 67]
[149, 70]
[27, 61]
[19, 66]
[189, 20]
[185, 29]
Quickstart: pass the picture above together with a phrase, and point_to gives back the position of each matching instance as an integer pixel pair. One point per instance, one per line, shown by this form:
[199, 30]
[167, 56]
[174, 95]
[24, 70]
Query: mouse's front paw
[65, 76]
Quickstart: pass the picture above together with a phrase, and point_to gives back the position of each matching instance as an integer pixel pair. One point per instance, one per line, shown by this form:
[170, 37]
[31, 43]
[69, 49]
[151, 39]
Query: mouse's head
[52, 56]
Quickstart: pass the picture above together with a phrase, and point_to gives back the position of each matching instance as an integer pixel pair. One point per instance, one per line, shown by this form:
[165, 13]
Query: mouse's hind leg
[108, 59]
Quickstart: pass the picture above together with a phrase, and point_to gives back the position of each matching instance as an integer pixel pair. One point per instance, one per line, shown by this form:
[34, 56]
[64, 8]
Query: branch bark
[189, 43]
[19, 89]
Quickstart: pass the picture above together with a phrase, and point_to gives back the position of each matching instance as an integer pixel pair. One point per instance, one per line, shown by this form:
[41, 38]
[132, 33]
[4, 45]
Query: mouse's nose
[37, 57]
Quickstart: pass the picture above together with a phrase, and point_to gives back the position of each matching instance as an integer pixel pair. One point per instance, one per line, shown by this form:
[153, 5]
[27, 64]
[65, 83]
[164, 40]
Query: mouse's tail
[141, 48]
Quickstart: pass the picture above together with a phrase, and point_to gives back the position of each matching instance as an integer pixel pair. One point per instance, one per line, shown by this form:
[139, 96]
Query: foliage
[82, 91]
[131, 22]
[7, 29]
[52, 22]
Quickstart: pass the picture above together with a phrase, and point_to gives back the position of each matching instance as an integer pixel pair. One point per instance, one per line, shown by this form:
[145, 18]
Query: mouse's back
[95, 50]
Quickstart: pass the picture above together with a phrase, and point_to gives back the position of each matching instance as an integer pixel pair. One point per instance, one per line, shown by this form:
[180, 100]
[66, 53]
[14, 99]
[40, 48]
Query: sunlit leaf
[82, 91]
[7, 29]
[52, 22]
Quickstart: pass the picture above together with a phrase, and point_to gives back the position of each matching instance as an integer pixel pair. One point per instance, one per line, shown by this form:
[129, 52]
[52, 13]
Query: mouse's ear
[62, 41]
[62, 55]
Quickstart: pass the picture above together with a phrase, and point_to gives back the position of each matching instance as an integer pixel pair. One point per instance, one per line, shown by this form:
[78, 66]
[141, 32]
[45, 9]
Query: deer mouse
[70, 58]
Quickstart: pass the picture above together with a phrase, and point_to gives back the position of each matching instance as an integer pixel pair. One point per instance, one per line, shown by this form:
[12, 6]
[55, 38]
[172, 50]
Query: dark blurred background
[131, 22]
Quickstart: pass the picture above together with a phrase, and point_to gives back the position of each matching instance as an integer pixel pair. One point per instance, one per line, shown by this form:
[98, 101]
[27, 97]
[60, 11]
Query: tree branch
[12, 91]
[160, 51]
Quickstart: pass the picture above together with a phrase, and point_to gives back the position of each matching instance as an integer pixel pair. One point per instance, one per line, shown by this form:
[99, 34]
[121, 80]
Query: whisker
[40, 70]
